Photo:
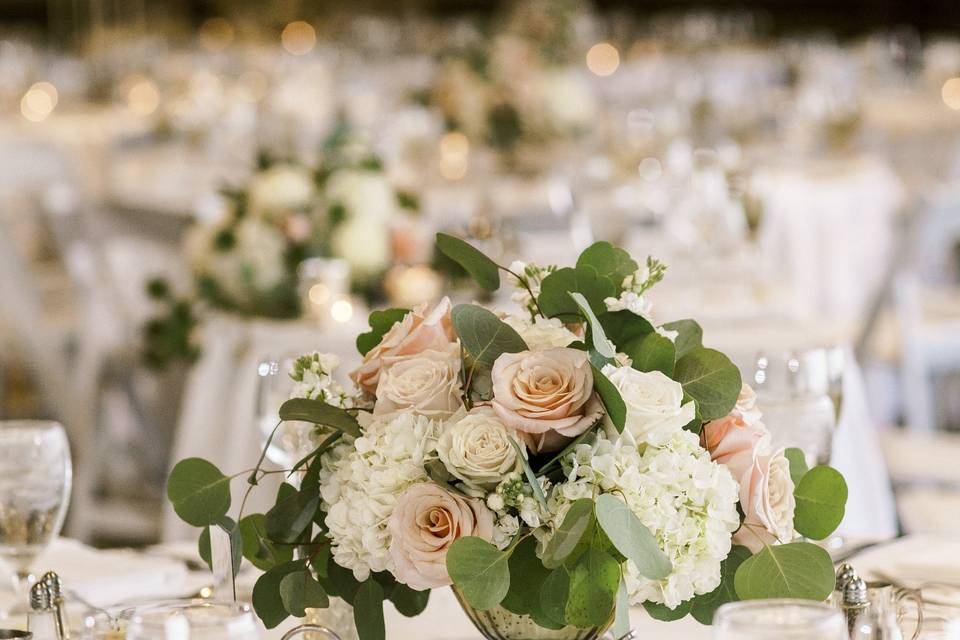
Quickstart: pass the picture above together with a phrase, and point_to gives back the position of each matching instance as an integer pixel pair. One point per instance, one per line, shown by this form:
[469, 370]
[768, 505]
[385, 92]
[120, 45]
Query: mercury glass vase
[499, 624]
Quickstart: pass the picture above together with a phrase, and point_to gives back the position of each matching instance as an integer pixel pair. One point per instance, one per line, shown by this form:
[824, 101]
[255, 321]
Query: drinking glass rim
[137, 613]
[809, 605]
[31, 424]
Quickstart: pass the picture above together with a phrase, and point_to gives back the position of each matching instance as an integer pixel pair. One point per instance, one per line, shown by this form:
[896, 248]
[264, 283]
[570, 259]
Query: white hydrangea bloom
[360, 482]
[687, 501]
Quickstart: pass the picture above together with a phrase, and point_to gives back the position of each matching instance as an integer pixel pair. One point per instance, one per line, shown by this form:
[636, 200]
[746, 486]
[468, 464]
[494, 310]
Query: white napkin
[107, 578]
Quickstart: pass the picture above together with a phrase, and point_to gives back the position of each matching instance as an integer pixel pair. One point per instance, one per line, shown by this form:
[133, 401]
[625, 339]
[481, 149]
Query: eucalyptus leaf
[594, 581]
[380, 323]
[554, 594]
[483, 335]
[368, 611]
[288, 518]
[798, 463]
[795, 570]
[299, 591]
[690, 335]
[609, 266]
[611, 398]
[711, 379]
[199, 492]
[319, 412]
[409, 602]
[554, 300]
[267, 601]
[527, 575]
[566, 541]
[531, 477]
[664, 613]
[704, 606]
[631, 537]
[482, 269]
[821, 502]
[598, 338]
[257, 548]
[653, 352]
[480, 571]
[236, 543]
[624, 327]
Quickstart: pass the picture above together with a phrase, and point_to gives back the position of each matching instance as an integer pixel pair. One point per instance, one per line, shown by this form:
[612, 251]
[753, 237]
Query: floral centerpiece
[244, 258]
[554, 465]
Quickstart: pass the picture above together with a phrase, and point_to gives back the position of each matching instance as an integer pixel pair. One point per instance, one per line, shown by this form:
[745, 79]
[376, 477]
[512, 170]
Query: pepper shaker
[54, 586]
[41, 621]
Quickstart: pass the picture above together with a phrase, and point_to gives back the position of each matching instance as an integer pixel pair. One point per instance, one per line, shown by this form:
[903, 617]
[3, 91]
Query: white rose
[478, 449]
[766, 497]
[282, 187]
[543, 333]
[655, 409]
[427, 383]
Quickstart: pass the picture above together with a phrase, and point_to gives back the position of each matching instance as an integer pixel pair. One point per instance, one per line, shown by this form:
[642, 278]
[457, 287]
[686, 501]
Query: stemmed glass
[782, 619]
[35, 478]
[291, 440]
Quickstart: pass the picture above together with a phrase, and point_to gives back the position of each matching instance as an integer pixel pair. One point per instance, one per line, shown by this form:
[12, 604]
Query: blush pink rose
[417, 332]
[766, 497]
[426, 520]
[546, 396]
[736, 439]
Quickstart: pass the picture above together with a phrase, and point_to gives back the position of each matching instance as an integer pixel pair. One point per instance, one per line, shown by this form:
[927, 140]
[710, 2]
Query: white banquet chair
[927, 295]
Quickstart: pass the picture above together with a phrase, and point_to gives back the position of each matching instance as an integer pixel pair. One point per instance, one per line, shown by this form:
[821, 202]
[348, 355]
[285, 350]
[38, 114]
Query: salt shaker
[41, 621]
[855, 603]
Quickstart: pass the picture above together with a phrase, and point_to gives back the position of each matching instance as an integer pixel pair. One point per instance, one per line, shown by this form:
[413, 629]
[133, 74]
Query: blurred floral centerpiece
[246, 257]
[553, 464]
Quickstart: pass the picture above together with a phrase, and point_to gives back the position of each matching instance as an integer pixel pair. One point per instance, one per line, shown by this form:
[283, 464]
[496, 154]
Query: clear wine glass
[781, 619]
[35, 478]
[291, 440]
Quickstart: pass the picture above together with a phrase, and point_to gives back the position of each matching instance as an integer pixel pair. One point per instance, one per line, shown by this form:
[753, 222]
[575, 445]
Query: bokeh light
[39, 101]
[143, 97]
[454, 155]
[603, 59]
[341, 311]
[298, 38]
[951, 93]
[216, 34]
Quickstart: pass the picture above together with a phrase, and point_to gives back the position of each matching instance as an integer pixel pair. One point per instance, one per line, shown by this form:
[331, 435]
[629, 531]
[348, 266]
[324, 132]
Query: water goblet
[783, 619]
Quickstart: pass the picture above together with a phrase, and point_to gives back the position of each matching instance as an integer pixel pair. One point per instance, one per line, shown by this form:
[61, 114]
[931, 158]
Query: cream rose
[282, 187]
[546, 396]
[543, 333]
[655, 408]
[426, 520]
[766, 497]
[736, 439]
[427, 383]
[418, 331]
[478, 449]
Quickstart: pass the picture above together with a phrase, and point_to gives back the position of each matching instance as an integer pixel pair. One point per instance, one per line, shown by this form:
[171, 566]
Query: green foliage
[300, 591]
[531, 477]
[704, 606]
[631, 537]
[554, 298]
[319, 412]
[480, 571]
[821, 501]
[710, 379]
[409, 602]
[258, 549]
[199, 492]
[267, 601]
[380, 323]
[483, 338]
[611, 398]
[599, 274]
[572, 536]
[598, 338]
[554, 595]
[594, 581]
[291, 515]
[169, 336]
[624, 327]
[621, 617]
[690, 335]
[652, 352]
[664, 613]
[608, 265]
[798, 463]
[527, 575]
[236, 543]
[482, 269]
[368, 611]
[795, 570]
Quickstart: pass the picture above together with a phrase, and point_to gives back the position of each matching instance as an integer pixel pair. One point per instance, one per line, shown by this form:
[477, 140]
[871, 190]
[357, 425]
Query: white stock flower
[542, 333]
[687, 501]
[668, 334]
[632, 302]
[478, 449]
[655, 409]
[360, 482]
[281, 188]
[312, 376]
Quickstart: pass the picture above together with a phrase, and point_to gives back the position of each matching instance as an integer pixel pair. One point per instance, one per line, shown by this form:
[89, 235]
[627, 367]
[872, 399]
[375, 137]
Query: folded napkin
[108, 578]
[930, 563]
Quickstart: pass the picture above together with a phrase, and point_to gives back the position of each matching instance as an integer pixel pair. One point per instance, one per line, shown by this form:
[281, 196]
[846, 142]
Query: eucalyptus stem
[526, 285]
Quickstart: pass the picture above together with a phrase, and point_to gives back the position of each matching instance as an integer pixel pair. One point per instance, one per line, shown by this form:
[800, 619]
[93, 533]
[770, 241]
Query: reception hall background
[193, 193]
